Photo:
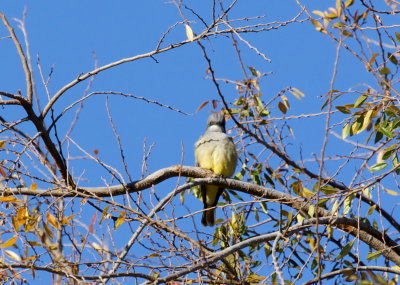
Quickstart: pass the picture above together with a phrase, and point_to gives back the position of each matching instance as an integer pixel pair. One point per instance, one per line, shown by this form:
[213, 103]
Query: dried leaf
[65, 220]
[48, 230]
[13, 255]
[189, 32]
[202, 105]
[33, 186]
[96, 246]
[2, 172]
[2, 144]
[52, 220]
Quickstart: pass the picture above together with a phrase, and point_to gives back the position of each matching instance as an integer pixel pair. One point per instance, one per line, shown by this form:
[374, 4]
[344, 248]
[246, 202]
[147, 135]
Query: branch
[371, 236]
[353, 270]
[28, 74]
[214, 257]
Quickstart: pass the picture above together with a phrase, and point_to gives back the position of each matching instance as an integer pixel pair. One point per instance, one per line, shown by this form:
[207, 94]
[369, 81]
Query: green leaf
[385, 71]
[346, 131]
[328, 190]
[386, 132]
[373, 255]
[357, 124]
[282, 107]
[339, 25]
[347, 204]
[346, 33]
[378, 137]
[392, 58]
[388, 152]
[254, 278]
[264, 207]
[343, 109]
[397, 36]
[345, 250]
[379, 166]
[264, 113]
[366, 121]
[360, 100]
[253, 71]
[371, 210]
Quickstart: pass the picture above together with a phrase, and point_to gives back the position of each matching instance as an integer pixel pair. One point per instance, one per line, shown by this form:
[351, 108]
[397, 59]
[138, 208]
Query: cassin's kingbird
[216, 151]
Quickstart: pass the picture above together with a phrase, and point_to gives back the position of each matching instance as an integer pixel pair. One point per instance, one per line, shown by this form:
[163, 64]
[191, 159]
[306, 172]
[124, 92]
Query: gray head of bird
[216, 123]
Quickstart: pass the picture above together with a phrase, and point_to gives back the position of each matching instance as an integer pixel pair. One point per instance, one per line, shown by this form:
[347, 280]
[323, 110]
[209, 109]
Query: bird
[215, 151]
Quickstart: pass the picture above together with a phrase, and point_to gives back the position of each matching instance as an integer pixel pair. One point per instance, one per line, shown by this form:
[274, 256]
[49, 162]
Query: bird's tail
[208, 218]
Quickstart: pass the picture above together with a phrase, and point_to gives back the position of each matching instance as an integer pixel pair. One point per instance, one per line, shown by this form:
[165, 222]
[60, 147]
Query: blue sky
[66, 33]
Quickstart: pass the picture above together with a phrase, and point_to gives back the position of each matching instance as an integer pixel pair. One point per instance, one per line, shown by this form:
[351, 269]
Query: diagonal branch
[24, 61]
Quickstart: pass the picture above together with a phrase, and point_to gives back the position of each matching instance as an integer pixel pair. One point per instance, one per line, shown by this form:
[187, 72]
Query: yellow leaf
[9, 242]
[254, 278]
[300, 218]
[306, 193]
[2, 144]
[367, 120]
[30, 258]
[120, 221]
[22, 215]
[154, 255]
[13, 255]
[15, 223]
[319, 13]
[65, 220]
[318, 26]
[335, 208]
[52, 220]
[33, 186]
[391, 192]
[48, 230]
[9, 199]
[311, 210]
[189, 32]
[296, 93]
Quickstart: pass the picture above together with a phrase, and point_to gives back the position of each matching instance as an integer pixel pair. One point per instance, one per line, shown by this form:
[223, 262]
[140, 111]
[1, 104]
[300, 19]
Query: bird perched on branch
[215, 151]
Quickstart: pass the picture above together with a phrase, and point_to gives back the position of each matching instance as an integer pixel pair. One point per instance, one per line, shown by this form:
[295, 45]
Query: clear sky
[65, 35]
